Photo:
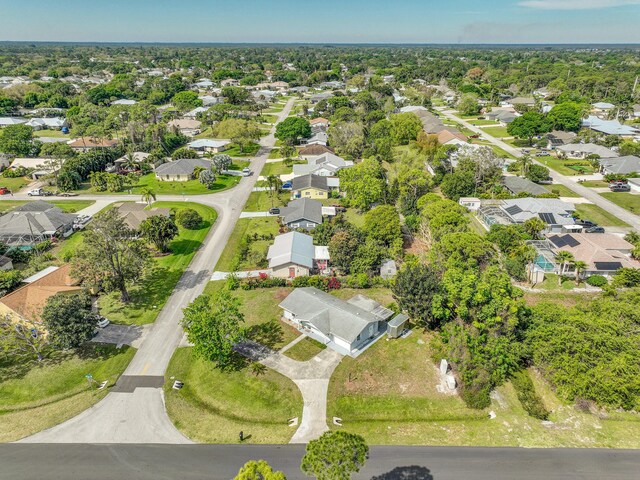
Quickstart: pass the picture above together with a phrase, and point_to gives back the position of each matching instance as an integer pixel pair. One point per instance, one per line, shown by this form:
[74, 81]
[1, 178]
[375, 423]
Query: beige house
[293, 255]
[180, 170]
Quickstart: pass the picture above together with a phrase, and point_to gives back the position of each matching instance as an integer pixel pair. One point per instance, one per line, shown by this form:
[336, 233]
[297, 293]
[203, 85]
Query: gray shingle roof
[292, 247]
[184, 166]
[310, 181]
[518, 185]
[623, 165]
[302, 209]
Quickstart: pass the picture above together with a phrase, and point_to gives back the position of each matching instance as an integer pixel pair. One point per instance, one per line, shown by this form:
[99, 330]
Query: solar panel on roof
[547, 218]
[558, 241]
[569, 240]
[513, 209]
[608, 266]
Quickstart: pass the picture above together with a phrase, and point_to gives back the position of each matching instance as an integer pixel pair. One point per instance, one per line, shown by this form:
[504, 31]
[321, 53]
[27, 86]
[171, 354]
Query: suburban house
[41, 167]
[229, 82]
[180, 170]
[84, 144]
[326, 165]
[319, 138]
[208, 100]
[604, 253]
[520, 185]
[558, 138]
[610, 127]
[34, 222]
[47, 123]
[314, 150]
[208, 145]
[186, 126]
[626, 165]
[512, 102]
[133, 214]
[27, 302]
[310, 186]
[302, 213]
[470, 203]
[583, 150]
[6, 121]
[293, 255]
[602, 108]
[543, 92]
[347, 327]
[194, 113]
[319, 123]
[448, 137]
[502, 116]
[317, 97]
[555, 213]
[138, 157]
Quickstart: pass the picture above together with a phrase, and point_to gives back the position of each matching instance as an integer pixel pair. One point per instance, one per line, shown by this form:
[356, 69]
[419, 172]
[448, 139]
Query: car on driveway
[102, 322]
[585, 223]
[594, 230]
[620, 187]
[274, 211]
[39, 192]
[4, 191]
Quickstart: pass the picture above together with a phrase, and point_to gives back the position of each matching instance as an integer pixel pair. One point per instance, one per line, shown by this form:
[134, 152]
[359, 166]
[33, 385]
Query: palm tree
[130, 164]
[580, 267]
[148, 195]
[275, 185]
[564, 258]
[524, 163]
[533, 227]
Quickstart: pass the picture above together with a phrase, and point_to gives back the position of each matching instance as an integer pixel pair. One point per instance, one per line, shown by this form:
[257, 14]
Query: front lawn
[567, 167]
[561, 190]
[230, 261]
[68, 206]
[8, 205]
[15, 184]
[150, 294]
[51, 134]
[248, 151]
[497, 132]
[389, 396]
[305, 349]
[595, 184]
[213, 407]
[625, 200]
[589, 211]
[262, 201]
[35, 396]
[278, 168]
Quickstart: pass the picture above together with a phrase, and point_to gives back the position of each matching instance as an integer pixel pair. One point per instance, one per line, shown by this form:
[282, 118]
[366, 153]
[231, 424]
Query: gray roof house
[558, 138]
[554, 212]
[583, 150]
[302, 213]
[502, 116]
[518, 185]
[34, 222]
[348, 327]
[293, 255]
[180, 170]
[620, 165]
[325, 165]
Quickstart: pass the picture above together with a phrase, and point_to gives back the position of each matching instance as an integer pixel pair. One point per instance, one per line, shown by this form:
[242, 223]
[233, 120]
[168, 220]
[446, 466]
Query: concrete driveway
[132, 335]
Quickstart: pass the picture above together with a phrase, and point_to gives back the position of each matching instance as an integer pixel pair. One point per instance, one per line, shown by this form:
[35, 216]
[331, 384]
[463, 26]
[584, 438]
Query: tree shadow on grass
[268, 334]
[184, 247]
[413, 472]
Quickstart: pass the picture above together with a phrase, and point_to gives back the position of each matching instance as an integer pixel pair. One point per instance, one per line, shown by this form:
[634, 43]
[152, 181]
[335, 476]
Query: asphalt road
[569, 182]
[213, 462]
[137, 415]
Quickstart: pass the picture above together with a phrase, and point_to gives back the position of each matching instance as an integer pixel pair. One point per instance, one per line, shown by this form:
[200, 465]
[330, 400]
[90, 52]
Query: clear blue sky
[335, 21]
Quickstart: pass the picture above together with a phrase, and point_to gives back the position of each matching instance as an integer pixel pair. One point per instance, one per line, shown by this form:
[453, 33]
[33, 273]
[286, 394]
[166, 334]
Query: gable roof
[447, 135]
[88, 142]
[588, 148]
[550, 210]
[28, 301]
[333, 316]
[318, 120]
[314, 149]
[309, 181]
[133, 214]
[517, 185]
[626, 164]
[292, 247]
[302, 209]
[183, 166]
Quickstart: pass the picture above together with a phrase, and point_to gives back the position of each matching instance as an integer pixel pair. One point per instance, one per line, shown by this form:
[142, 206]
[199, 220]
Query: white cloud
[576, 4]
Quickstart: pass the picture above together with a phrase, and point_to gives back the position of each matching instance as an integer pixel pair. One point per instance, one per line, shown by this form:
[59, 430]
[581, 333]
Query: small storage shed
[395, 326]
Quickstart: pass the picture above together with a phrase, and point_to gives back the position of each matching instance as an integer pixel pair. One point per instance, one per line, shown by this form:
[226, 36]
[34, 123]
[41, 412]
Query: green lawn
[475, 121]
[595, 184]
[248, 151]
[550, 283]
[213, 407]
[150, 294]
[51, 134]
[566, 167]
[268, 118]
[8, 205]
[262, 201]
[68, 206]
[354, 217]
[277, 168]
[35, 396]
[561, 190]
[625, 200]
[589, 211]
[389, 396]
[15, 184]
[275, 153]
[257, 249]
[497, 132]
[305, 349]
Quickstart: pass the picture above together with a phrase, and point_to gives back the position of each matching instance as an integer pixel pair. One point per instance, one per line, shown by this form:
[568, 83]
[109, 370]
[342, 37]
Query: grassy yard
[213, 407]
[68, 206]
[257, 249]
[497, 132]
[389, 396]
[248, 151]
[268, 118]
[561, 190]
[305, 349]
[35, 396]
[595, 184]
[277, 168]
[589, 211]
[8, 205]
[275, 153]
[51, 134]
[14, 184]
[566, 167]
[625, 200]
[262, 201]
[550, 283]
[150, 294]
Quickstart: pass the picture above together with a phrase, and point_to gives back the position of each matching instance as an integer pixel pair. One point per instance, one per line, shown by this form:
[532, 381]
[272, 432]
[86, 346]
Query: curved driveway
[136, 414]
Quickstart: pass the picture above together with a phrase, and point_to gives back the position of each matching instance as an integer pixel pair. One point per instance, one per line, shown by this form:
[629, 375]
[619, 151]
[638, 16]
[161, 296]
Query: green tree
[336, 455]
[214, 325]
[364, 183]
[235, 95]
[342, 249]
[414, 289]
[566, 116]
[147, 195]
[9, 279]
[221, 162]
[579, 267]
[186, 100]
[382, 224]
[468, 104]
[564, 258]
[188, 218]
[110, 255]
[159, 230]
[458, 184]
[533, 227]
[68, 319]
[292, 129]
[537, 173]
[258, 470]
[17, 140]
[528, 125]
[404, 128]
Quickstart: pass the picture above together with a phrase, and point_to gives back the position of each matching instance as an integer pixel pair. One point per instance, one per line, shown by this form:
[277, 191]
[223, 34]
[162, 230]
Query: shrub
[597, 281]
[188, 218]
[360, 280]
[530, 400]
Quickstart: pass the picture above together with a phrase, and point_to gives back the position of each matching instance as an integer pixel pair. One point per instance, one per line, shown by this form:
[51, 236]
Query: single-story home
[41, 166]
[604, 253]
[180, 170]
[620, 165]
[293, 254]
[517, 185]
[27, 302]
[610, 127]
[34, 222]
[194, 113]
[84, 144]
[310, 186]
[601, 108]
[449, 137]
[470, 203]
[347, 327]
[186, 126]
[504, 117]
[317, 97]
[527, 101]
[319, 122]
[314, 150]
[583, 150]
[124, 101]
[138, 157]
[558, 138]
[47, 123]
[134, 213]
[302, 213]
[6, 121]
[208, 100]
[209, 145]
[320, 138]
[554, 212]
[326, 165]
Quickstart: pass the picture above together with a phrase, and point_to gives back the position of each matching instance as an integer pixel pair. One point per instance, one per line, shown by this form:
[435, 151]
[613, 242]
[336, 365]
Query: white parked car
[246, 171]
[102, 322]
